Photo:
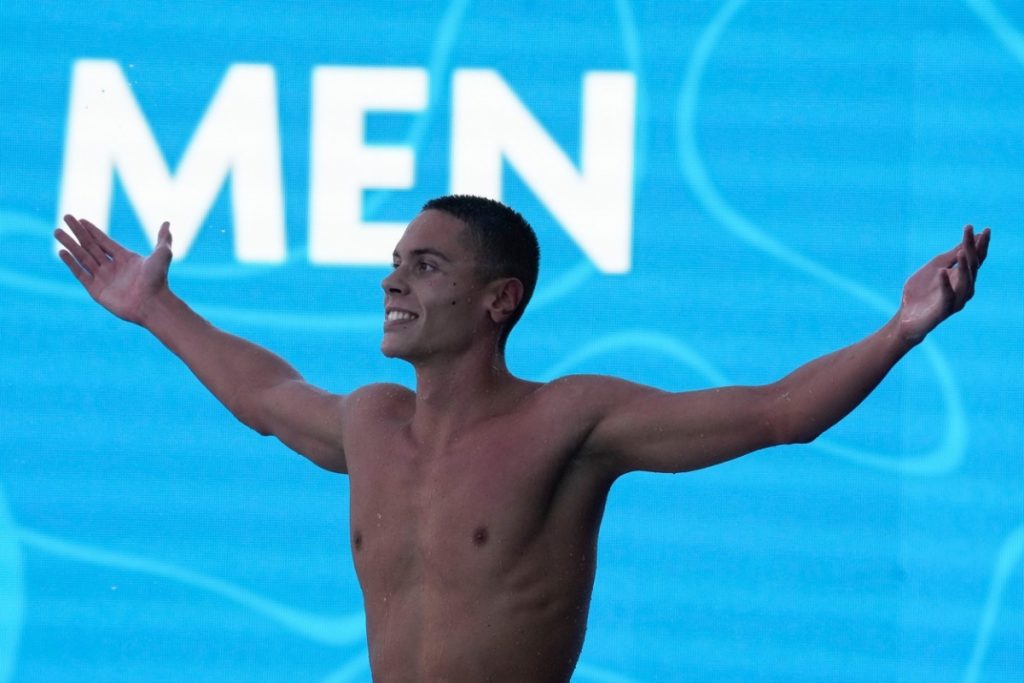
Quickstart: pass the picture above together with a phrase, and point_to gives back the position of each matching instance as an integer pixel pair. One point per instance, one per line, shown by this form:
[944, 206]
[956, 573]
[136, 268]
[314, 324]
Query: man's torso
[476, 553]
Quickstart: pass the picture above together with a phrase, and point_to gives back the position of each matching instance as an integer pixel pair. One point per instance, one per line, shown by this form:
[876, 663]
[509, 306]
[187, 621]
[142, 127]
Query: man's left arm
[641, 428]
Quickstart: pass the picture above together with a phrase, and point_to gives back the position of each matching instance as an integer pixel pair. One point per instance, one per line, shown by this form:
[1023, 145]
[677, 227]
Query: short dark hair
[504, 242]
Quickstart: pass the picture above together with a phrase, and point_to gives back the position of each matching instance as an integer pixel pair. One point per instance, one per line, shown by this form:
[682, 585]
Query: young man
[476, 499]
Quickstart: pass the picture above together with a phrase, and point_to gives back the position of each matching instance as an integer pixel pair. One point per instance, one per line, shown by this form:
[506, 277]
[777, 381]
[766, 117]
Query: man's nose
[393, 283]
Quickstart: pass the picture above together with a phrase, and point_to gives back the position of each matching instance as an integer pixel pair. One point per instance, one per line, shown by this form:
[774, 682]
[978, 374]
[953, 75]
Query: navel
[480, 536]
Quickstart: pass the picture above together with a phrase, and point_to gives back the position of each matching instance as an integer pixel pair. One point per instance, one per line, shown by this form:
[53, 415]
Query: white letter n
[108, 133]
[594, 204]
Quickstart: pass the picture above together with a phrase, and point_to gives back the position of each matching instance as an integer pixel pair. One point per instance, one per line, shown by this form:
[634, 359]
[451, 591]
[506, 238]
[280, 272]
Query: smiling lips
[399, 316]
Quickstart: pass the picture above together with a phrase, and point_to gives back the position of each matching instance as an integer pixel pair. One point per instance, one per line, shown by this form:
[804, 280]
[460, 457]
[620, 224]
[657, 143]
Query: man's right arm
[259, 388]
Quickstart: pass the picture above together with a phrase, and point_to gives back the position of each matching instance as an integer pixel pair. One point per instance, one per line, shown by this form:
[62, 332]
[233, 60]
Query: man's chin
[391, 350]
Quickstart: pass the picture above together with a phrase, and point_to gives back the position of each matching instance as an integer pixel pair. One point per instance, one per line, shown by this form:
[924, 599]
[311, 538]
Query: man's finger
[982, 244]
[95, 257]
[69, 243]
[970, 251]
[949, 297]
[80, 273]
[109, 246]
[965, 283]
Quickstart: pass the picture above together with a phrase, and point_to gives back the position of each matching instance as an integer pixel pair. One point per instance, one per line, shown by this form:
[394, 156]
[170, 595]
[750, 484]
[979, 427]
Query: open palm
[122, 281]
[942, 286]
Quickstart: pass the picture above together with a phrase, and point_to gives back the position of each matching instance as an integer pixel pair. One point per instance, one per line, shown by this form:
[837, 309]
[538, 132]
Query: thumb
[162, 251]
[163, 238]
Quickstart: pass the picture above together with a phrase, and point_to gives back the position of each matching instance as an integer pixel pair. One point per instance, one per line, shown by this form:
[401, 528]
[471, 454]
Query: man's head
[476, 256]
[504, 243]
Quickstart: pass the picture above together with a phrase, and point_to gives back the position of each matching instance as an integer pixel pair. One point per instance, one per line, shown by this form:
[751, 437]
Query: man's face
[433, 299]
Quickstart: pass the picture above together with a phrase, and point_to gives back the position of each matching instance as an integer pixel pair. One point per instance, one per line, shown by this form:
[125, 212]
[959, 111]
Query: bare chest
[454, 512]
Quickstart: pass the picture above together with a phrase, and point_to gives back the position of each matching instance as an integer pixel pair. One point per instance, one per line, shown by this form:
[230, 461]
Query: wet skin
[474, 520]
[476, 551]
[476, 499]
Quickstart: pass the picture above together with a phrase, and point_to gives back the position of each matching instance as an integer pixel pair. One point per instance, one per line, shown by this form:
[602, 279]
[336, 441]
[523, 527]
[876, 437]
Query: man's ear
[507, 294]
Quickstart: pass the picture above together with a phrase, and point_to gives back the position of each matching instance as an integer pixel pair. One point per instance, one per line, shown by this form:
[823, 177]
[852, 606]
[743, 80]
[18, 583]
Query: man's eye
[426, 267]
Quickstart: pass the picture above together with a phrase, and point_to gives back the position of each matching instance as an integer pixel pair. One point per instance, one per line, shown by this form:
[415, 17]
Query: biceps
[664, 432]
[307, 420]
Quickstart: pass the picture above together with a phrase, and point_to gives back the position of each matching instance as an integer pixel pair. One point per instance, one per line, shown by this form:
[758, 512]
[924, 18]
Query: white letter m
[238, 134]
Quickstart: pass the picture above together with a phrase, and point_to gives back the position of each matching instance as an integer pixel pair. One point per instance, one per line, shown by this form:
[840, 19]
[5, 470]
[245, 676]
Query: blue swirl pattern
[123, 485]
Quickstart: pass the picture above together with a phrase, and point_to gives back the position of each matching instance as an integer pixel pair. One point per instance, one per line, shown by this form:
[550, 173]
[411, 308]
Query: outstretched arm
[259, 388]
[640, 428]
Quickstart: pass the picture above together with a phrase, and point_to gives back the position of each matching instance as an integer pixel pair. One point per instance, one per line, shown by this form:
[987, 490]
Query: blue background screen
[788, 165]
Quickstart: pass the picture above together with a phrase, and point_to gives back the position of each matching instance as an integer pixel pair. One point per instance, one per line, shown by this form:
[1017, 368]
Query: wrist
[156, 308]
[902, 335]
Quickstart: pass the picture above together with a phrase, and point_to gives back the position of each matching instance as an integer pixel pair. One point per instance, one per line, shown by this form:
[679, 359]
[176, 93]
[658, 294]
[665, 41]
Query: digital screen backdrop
[722, 191]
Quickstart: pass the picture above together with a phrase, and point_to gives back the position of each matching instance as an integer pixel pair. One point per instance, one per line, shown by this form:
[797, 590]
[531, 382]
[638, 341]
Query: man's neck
[454, 393]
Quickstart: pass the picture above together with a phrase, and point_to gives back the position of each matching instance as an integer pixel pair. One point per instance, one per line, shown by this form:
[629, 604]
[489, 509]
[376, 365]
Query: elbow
[802, 437]
[785, 424]
[261, 427]
[250, 417]
[792, 430]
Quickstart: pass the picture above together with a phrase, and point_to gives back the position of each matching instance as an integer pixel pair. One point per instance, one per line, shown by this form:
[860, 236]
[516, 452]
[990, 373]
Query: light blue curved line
[233, 270]
[571, 280]
[564, 285]
[599, 675]
[359, 665]
[653, 341]
[303, 322]
[705, 189]
[932, 463]
[1007, 33]
[945, 458]
[12, 592]
[942, 460]
[343, 630]
[16, 222]
[631, 46]
[440, 55]
[1009, 557]
[19, 223]
[350, 670]
[353, 322]
[34, 285]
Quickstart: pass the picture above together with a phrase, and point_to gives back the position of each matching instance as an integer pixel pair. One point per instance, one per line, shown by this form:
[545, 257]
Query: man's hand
[942, 287]
[122, 281]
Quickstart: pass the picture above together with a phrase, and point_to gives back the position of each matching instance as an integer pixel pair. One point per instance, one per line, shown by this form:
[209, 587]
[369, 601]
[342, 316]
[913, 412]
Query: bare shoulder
[584, 400]
[589, 393]
[379, 400]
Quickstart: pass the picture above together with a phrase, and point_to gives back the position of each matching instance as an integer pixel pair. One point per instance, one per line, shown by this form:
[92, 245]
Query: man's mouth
[394, 316]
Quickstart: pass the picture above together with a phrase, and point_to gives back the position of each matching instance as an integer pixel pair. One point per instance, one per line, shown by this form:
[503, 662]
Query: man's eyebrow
[424, 251]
